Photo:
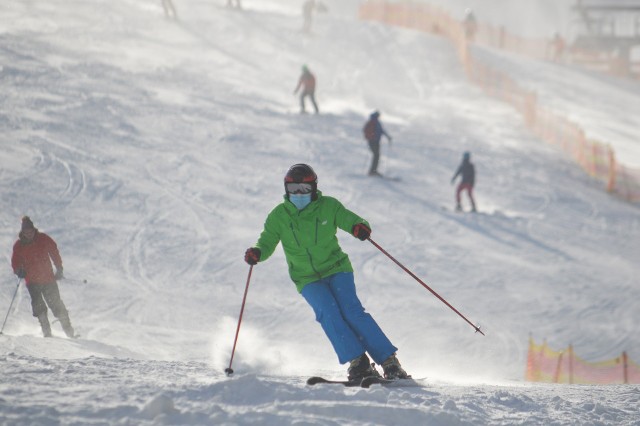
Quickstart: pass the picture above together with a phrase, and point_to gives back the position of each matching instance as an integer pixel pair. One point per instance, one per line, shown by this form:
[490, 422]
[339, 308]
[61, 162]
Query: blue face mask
[300, 200]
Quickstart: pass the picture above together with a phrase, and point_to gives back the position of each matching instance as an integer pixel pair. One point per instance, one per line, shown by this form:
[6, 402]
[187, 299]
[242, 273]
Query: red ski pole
[425, 286]
[229, 370]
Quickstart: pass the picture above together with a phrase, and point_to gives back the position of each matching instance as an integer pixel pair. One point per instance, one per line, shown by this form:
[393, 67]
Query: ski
[348, 383]
[368, 381]
[365, 383]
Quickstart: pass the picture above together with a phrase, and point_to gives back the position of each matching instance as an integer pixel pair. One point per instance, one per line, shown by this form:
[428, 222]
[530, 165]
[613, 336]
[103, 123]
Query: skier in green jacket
[306, 223]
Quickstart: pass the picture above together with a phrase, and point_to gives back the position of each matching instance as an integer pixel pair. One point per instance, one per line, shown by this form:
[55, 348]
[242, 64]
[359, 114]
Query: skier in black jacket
[468, 173]
[373, 132]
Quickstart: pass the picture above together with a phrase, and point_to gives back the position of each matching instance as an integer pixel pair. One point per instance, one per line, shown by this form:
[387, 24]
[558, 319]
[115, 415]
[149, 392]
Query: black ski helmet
[302, 173]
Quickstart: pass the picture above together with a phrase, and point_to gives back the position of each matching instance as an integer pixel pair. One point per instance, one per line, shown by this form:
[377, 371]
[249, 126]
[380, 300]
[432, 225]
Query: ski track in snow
[152, 151]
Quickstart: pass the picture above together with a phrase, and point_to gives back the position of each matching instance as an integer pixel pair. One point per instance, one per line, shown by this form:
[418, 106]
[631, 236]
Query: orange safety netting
[595, 157]
[546, 365]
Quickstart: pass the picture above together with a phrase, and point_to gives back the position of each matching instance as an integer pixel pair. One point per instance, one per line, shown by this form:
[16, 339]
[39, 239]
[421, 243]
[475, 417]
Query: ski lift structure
[607, 35]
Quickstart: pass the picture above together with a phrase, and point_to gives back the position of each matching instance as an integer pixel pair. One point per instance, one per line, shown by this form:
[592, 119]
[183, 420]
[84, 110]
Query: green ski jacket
[308, 238]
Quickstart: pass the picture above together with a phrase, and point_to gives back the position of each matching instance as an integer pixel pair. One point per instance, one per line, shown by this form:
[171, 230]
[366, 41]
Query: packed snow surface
[152, 150]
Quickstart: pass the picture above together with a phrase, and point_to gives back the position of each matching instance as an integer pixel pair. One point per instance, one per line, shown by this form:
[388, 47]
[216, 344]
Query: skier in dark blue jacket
[373, 132]
[468, 173]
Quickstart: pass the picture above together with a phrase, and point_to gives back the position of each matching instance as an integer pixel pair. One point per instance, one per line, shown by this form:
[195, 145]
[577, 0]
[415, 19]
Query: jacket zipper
[294, 235]
[308, 254]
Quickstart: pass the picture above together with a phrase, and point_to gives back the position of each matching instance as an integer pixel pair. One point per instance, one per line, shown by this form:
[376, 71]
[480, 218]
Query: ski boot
[393, 370]
[361, 367]
[44, 323]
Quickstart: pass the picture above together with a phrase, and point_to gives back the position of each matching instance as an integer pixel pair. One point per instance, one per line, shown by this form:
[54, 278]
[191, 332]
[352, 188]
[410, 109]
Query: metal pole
[10, 305]
[229, 370]
[426, 286]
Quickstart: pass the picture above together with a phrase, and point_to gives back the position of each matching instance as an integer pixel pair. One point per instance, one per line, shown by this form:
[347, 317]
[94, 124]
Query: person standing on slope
[307, 14]
[32, 255]
[373, 132]
[470, 25]
[306, 223]
[169, 10]
[468, 173]
[307, 82]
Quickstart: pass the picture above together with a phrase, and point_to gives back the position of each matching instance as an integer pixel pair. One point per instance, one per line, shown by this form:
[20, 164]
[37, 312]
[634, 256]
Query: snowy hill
[152, 151]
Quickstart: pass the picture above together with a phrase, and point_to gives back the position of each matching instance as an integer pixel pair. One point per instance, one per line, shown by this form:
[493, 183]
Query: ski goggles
[299, 188]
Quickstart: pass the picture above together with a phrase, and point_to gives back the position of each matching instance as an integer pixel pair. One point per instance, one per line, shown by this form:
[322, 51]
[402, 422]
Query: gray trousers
[49, 293]
[374, 145]
[311, 96]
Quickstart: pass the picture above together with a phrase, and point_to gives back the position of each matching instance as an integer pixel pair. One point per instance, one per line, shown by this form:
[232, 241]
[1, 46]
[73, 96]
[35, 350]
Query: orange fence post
[625, 368]
[530, 109]
[541, 356]
[556, 376]
[531, 368]
[611, 185]
[570, 364]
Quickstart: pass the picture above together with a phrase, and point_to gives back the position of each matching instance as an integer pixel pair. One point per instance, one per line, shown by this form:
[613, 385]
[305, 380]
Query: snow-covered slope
[152, 151]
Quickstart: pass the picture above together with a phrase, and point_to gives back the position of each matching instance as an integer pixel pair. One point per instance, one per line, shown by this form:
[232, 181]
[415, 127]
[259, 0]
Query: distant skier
[557, 46]
[307, 15]
[169, 10]
[31, 260]
[470, 25]
[467, 170]
[373, 132]
[237, 2]
[307, 82]
[306, 223]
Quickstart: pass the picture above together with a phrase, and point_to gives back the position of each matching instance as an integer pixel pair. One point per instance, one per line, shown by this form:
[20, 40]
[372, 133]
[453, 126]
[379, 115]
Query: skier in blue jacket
[373, 132]
[468, 173]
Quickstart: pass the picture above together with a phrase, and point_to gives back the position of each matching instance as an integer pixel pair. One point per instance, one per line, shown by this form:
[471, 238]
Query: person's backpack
[369, 130]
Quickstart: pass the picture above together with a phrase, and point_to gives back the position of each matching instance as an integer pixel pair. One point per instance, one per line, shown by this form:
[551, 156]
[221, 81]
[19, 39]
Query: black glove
[361, 231]
[58, 275]
[21, 273]
[252, 255]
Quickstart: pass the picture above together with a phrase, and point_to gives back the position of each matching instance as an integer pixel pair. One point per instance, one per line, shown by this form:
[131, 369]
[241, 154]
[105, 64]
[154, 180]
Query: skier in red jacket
[307, 82]
[31, 260]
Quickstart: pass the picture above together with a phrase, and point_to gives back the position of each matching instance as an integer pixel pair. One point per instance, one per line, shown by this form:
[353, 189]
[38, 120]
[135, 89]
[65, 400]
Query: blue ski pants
[351, 330]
